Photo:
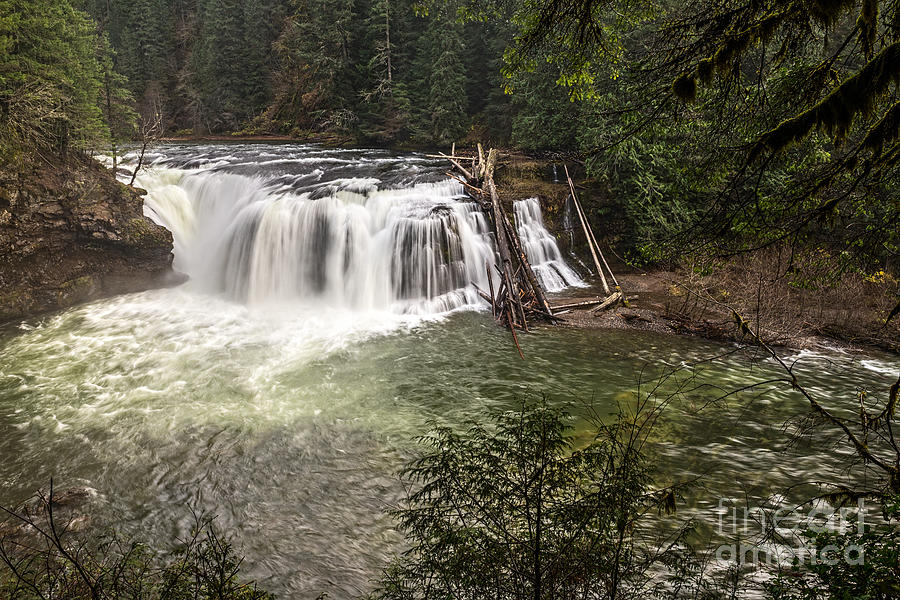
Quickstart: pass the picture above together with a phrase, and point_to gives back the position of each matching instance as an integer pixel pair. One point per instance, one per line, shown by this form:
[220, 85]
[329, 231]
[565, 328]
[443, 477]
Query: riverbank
[70, 233]
[663, 302]
[791, 296]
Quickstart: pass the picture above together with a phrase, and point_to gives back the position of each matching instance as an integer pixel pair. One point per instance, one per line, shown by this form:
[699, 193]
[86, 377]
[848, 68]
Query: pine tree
[489, 106]
[447, 94]
[219, 64]
[262, 24]
[116, 103]
[50, 78]
[143, 36]
[313, 88]
[545, 117]
[385, 107]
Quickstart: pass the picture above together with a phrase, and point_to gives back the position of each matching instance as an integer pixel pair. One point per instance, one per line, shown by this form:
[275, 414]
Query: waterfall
[568, 225]
[348, 229]
[344, 243]
[540, 247]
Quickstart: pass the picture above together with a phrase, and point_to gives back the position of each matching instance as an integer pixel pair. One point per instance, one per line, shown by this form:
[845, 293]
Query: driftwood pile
[519, 297]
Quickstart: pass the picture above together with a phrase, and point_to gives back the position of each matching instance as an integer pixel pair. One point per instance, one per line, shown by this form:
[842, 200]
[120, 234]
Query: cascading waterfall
[344, 229]
[344, 243]
[540, 247]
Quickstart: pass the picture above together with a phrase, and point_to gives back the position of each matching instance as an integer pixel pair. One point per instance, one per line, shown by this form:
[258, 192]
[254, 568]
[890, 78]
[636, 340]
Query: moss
[15, 303]
[76, 289]
[705, 70]
[522, 170]
[835, 113]
[828, 12]
[884, 131]
[868, 25]
[141, 232]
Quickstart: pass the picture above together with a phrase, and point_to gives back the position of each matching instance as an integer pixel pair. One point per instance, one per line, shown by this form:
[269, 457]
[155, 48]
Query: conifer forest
[449, 299]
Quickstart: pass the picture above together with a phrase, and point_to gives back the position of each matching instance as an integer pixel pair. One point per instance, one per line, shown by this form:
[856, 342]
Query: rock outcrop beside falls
[72, 233]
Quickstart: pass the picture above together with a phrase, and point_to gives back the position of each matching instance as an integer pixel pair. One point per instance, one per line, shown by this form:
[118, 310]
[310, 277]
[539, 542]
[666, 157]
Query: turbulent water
[329, 319]
[362, 231]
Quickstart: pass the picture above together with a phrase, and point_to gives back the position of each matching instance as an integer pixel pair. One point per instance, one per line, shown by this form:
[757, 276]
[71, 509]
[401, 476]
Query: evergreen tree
[545, 117]
[385, 107]
[50, 78]
[489, 106]
[116, 103]
[219, 65]
[315, 70]
[143, 36]
[262, 24]
[447, 94]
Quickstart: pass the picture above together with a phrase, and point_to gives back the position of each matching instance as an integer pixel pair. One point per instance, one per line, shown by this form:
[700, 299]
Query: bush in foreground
[514, 510]
[43, 556]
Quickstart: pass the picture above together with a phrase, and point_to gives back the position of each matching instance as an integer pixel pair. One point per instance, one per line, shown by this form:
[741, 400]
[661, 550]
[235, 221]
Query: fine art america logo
[782, 536]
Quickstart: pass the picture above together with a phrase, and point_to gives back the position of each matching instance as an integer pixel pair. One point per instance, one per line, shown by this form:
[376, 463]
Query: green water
[290, 424]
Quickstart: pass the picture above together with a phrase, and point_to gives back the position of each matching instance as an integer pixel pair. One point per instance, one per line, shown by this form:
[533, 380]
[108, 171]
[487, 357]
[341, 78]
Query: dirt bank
[664, 302]
[791, 296]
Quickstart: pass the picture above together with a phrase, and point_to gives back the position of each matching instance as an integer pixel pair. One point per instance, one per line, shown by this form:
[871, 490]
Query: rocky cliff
[72, 233]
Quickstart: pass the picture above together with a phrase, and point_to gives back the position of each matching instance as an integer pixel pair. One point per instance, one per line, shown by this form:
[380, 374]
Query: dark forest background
[375, 70]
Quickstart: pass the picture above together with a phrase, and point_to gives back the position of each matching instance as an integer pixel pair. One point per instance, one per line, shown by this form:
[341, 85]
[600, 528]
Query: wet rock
[74, 497]
[72, 233]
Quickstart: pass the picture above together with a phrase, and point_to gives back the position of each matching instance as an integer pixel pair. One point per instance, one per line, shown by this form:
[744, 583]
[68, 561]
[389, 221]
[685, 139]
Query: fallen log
[468, 185]
[448, 156]
[601, 303]
[584, 226]
[572, 305]
[536, 288]
[613, 299]
[518, 295]
[592, 241]
[453, 160]
[491, 285]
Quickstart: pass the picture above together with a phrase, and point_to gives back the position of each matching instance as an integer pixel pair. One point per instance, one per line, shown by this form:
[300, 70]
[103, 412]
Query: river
[330, 318]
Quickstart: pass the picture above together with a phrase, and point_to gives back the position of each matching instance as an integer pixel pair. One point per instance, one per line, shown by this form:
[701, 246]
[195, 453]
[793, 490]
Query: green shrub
[862, 565]
[43, 556]
[514, 510]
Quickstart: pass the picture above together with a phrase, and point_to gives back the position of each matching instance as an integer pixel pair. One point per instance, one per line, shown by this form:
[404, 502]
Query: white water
[288, 417]
[405, 250]
[540, 247]
[406, 247]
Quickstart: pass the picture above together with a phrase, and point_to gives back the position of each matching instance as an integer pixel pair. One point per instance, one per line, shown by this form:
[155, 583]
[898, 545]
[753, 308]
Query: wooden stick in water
[487, 268]
[471, 187]
[523, 260]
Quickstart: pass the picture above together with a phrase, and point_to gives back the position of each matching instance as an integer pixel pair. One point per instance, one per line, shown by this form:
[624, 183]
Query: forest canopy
[718, 127]
[54, 69]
